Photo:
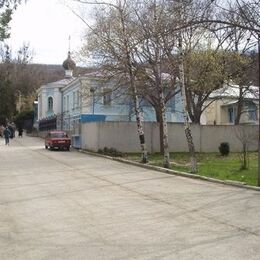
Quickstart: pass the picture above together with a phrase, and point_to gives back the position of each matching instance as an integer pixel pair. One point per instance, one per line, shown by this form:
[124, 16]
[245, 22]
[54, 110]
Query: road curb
[173, 172]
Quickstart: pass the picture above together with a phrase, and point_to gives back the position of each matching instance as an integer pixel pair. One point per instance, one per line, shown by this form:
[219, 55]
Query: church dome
[69, 64]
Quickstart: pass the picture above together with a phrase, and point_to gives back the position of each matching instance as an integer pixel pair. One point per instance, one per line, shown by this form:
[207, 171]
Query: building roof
[232, 91]
[99, 74]
[56, 84]
[64, 81]
[230, 103]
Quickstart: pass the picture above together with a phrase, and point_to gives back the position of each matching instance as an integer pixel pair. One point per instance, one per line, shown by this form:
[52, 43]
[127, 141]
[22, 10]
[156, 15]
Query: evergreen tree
[6, 10]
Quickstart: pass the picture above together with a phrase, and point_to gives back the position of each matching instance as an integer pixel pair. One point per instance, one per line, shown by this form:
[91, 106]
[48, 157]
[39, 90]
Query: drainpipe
[92, 90]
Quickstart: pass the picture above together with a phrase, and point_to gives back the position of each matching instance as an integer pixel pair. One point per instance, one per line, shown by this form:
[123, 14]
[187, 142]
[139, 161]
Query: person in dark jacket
[20, 131]
[12, 132]
[6, 134]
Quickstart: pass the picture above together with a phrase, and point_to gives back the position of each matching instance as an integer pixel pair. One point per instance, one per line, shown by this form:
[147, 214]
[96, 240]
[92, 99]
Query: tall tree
[179, 11]
[17, 79]
[241, 65]
[111, 40]
[205, 72]
[151, 37]
[224, 14]
[187, 128]
[7, 93]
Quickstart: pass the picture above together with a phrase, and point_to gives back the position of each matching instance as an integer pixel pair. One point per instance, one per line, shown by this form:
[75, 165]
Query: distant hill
[19, 83]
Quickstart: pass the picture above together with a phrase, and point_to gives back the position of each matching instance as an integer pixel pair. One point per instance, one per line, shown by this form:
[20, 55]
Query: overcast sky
[46, 25]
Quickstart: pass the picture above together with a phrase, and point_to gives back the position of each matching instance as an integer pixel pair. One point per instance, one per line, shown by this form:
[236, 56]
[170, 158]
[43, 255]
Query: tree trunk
[196, 118]
[158, 80]
[159, 120]
[130, 71]
[187, 129]
[161, 136]
[156, 65]
[194, 109]
[165, 131]
[140, 130]
[197, 114]
[239, 106]
[189, 101]
[245, 157]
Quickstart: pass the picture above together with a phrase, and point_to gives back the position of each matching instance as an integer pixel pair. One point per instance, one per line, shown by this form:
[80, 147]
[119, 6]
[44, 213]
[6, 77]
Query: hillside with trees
[20, 79]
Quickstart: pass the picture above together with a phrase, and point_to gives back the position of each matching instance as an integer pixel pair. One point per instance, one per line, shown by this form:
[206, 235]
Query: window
[40, 106]
[74, 100]
[64, 104]
[107, 96]
[50, 104]
[77, 98]
[252, 112]
[67, 103]
[58, 135]
[231, 116]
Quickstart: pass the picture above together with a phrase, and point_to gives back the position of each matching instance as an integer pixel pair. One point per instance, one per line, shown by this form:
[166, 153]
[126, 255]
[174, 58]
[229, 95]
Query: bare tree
[150, 93]
[238, 44]
[222, 14]
[210, 64]
[187, 129]
[111, 40]
[246, 137]
[178, 11]
[248, 12]
[152, 43]
[150, 52]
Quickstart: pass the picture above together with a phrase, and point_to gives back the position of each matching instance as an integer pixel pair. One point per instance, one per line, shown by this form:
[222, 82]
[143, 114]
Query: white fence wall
[123, 136]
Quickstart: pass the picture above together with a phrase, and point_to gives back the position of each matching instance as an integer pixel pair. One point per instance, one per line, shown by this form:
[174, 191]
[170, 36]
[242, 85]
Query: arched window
[50, 104]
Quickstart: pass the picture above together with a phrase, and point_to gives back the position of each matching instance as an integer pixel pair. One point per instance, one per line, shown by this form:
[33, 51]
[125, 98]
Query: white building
[50, 96]
[92, 97]
[222, 105]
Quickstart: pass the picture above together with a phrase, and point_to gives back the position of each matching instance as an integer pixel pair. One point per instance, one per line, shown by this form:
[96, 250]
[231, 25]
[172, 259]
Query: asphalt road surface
[69, 205]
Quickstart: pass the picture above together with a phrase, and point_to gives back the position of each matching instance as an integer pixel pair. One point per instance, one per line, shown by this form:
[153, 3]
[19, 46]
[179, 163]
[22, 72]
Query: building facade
[92, 97]
[222, 106]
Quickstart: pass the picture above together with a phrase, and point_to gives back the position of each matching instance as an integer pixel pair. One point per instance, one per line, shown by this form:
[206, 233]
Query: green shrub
[224, 149]
[105, 150]
[111, 152]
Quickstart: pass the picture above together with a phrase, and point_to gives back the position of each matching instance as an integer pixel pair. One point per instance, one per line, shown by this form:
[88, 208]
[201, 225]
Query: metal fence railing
[47, 124]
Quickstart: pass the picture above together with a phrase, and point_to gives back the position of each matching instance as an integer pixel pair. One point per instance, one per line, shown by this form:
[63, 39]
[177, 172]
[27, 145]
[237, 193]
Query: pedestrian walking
[7, 135]
[20, 132]
[12, 131]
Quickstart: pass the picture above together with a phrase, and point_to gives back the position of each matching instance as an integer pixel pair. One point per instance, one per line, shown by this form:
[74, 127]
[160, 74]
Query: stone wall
[123, 136]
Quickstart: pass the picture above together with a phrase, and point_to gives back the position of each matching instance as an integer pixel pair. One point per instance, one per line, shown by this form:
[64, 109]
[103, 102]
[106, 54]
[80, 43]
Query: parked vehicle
[57, 139]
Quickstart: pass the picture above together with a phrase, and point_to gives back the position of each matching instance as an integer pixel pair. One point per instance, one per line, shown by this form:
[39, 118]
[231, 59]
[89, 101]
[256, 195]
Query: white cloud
[46, 26]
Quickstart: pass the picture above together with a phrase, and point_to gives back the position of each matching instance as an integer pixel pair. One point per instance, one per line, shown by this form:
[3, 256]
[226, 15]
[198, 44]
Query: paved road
[68, 205]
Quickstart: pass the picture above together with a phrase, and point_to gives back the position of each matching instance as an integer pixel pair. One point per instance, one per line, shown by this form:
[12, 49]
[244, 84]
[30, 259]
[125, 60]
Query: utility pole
[92, 90]
[258, 171]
